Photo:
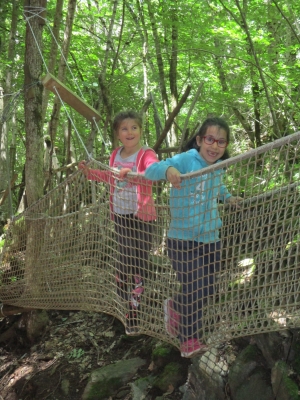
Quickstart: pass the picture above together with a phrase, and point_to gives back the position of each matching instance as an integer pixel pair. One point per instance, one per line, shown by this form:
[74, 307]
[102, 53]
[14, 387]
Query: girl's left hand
[123, 172]
[173, 176]
[234, 201]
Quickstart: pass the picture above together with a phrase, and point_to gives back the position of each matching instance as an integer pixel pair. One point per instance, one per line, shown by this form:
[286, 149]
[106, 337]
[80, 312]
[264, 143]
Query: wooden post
[53, 84]
[6, 192]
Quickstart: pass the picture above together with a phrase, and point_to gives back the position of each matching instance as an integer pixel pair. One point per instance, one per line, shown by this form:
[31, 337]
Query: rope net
[68, 252]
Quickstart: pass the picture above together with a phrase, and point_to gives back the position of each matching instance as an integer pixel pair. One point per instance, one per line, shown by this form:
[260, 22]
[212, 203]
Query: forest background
[176, 62]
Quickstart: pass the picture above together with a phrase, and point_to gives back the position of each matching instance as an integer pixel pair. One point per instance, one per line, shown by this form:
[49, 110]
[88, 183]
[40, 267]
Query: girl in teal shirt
[193, 242]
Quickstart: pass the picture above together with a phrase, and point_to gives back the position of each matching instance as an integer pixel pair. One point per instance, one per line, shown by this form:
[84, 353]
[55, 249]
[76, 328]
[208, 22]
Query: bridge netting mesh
[64, 253]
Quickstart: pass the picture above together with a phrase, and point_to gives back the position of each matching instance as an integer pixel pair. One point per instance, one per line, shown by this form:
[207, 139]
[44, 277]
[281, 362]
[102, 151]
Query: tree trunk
[54, 120]
[34, 155]
[159, 60]
[244, 26]
[53, 49]
[105, 95]
[256, 105]
[5, 162]
[223, 81]
[186, 122]
[170, 120]
[34, 133]
[173, 69]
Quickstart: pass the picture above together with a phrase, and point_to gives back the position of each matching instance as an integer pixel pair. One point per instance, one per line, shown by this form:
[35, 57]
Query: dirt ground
[57, 366]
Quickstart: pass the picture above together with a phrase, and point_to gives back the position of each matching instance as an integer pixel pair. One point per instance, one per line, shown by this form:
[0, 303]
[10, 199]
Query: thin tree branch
[288, 22]
[171, 117]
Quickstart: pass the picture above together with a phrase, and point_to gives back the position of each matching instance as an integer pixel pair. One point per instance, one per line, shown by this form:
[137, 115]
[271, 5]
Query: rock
[171, 377]
[139, 388]
[242, 367]
[270, 344]
[65, 385]
[256, 386]
[284, 387]
[36, 322]
[212, 364]
[294, 351]
[11, 396]
[162, 353]
[105, 381]
[201, 385]
[123, 394]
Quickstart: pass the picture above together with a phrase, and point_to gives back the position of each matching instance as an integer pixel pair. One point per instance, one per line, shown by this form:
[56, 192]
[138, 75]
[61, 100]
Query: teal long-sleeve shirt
[194, 207]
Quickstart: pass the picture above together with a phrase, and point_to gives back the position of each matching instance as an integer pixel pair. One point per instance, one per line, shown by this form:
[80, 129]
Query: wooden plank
[53, 84]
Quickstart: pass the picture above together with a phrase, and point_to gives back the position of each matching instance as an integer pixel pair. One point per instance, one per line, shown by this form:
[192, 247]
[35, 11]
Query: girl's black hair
[214, 121]
[124, 115]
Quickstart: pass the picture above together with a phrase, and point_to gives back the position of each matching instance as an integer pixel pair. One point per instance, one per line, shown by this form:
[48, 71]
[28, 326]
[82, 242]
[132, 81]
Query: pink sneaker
[136, 297]
[192, 347]
[138, 280]
[172, 318]
[137, 292]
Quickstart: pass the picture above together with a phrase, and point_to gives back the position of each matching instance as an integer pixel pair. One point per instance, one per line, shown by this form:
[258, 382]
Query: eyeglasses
[211, 140]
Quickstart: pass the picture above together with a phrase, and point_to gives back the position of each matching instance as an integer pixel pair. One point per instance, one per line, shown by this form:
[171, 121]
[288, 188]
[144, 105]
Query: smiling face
[212, 152]
[129, 133]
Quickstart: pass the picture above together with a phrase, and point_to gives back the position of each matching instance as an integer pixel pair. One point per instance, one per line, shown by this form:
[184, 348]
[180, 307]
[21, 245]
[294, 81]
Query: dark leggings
[134, 238]
[196, 265]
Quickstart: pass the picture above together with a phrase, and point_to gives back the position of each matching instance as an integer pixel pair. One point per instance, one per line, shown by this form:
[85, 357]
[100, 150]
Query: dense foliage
[240, 60]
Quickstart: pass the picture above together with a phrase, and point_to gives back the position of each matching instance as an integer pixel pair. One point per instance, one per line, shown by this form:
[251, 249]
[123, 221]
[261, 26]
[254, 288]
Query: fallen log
[6, 310]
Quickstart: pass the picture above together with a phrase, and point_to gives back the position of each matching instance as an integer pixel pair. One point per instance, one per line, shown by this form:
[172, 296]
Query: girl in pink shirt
[132, 209]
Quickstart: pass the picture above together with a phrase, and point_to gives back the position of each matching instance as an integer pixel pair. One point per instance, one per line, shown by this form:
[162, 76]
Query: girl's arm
[94, 174]
[173, 176]
[159, 170]
[234, 201]
[224, 194]
[170, 169]
[149, 158]
[228, 198]
[135, 180]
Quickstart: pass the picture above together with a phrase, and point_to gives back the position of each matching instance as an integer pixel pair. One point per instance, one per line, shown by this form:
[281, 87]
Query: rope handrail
[241, 157]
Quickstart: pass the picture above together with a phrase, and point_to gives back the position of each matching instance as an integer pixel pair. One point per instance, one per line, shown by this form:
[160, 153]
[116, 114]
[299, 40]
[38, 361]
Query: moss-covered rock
[162, 354]
[105, 381]
[296, 360]
[283, 386]
[243, 366]
[172, 376]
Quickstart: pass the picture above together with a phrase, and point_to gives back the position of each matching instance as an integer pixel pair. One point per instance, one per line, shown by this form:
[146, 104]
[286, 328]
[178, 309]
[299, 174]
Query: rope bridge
[62, 252]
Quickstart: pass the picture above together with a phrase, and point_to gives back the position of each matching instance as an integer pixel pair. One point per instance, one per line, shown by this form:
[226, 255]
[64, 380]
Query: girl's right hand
[82, 165]
[173, 176]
